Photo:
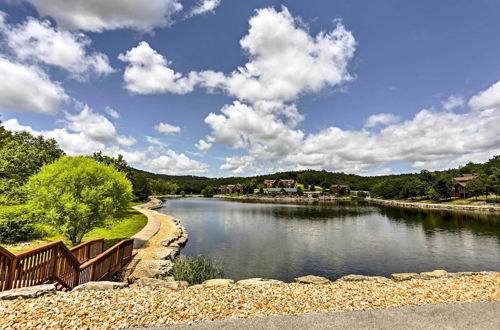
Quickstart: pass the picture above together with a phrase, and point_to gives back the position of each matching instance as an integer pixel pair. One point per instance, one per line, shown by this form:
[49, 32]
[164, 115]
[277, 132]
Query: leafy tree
[493, 181]
[475, 187]
[21, 156]
[306, 186]
[141, 187]
[433, 194]
[208, 191]
[444, 185]
[312, 188]
[300, 191]
[77, 194]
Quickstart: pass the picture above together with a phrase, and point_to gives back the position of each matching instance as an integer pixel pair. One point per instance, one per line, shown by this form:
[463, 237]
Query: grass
[196, 270]
[113, 233]
[481, 200]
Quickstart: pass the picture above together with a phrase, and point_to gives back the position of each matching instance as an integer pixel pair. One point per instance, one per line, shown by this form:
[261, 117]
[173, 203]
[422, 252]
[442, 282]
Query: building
[282, 191]
[286, 183]
[461, 183]
[340, 189]
[230, 189]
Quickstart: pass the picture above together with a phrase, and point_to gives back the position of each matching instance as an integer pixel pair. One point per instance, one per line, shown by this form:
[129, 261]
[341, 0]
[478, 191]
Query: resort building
[460, 184]
[282, 191]
[230, 189]
[286, 183]
[340, 189]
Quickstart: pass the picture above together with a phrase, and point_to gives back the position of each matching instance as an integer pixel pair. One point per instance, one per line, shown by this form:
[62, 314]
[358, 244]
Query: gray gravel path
[481, 315]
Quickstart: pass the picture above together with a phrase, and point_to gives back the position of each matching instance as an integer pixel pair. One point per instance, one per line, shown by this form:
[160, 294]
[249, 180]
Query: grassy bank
[113, 233]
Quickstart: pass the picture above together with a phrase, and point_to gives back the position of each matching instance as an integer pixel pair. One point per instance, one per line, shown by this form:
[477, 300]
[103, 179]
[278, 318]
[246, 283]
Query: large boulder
[439, 273]
[217, 282]
[29, 292]
[157, 283]
[404, 276]
[357, 278]
[312, 279]
[100, 285]
[258, 281]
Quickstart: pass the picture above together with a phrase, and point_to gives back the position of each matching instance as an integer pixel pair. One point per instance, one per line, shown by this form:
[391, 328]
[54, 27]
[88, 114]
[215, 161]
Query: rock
[218, 282]
[101, 285]
[29, 292]
[354, 278]
[403, 276]
[157, 283]
[165, 253]
[434, 274]
[258, 281]
[147, 272]
[312, 279]
[169, 279]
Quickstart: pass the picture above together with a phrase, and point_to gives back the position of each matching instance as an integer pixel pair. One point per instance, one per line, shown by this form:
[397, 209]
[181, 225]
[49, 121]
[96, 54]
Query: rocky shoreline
[475, 208]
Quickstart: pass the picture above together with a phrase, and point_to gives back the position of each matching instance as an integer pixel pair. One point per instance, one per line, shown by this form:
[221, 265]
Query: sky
[222, 88]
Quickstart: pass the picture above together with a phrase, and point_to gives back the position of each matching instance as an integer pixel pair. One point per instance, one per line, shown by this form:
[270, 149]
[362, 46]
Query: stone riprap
[149, 305]
[477, 208]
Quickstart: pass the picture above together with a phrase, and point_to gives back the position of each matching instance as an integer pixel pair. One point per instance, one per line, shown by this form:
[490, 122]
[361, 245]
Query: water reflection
[283, 241]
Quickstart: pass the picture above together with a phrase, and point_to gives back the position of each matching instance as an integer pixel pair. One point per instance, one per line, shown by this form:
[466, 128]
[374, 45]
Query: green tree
[493, 181]
[77, 194]
[21, 156]
[444, 185]
[208, 191]
[475, 187]
[432, 194]
[312, 188]
[141, 185]
[300, 191]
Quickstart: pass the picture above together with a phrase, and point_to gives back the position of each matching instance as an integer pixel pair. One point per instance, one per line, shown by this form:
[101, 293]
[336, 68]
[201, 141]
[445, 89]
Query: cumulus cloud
[167, 129]
[381, 119]
[204, 7]
[454, 101]
[148, 72]
[239, 165]
[99, 15]
[203, 146]
[489, 98]
[40, 42]
[86, 139]
[28, 88]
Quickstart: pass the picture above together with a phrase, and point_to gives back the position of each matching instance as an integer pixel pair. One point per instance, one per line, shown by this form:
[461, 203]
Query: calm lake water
[283, 241]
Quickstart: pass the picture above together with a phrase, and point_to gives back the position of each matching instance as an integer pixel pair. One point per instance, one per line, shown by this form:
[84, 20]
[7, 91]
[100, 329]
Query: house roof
[288, 190]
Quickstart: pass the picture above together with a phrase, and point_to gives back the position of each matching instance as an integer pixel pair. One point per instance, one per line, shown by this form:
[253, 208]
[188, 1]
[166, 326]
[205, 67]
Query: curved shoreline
[444, 207]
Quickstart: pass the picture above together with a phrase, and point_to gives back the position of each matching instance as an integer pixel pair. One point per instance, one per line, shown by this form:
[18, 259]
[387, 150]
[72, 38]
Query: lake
[284, 241]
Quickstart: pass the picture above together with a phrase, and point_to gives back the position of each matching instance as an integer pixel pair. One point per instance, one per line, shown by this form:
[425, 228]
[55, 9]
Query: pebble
[135, 307]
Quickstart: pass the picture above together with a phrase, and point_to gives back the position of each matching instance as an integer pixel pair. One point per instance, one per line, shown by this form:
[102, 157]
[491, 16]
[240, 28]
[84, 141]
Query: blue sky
[222, 88]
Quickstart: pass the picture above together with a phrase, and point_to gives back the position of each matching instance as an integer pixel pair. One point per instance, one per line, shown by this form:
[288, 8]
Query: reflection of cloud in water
[285, 241]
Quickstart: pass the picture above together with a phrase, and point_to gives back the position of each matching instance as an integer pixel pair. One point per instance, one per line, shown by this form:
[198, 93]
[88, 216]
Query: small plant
[196, 270]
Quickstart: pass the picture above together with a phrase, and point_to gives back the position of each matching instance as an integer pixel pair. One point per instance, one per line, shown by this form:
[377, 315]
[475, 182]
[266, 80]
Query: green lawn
[113, 233]
[467, 201]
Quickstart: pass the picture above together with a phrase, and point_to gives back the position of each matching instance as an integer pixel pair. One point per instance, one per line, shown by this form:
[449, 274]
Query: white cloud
[285, 60]
[167, 129]
[96, 127]
[489, 98]
[381, 119]
[203, 146]
[100, 15]
[204, 7]
[82, 142]
[39, 42]
[147, 72]
[112, 112]
[28, 88]
[454, 101]
[239, 165]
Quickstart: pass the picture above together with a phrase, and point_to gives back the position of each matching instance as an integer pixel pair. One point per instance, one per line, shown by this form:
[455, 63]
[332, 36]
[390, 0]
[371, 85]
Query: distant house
[461, 183]
[286, 183]
[282, 191]
[340, 189]
[230, 189]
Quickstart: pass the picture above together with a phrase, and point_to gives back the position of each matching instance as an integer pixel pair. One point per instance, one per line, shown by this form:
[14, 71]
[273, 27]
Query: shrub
[208, 191]
[195, 270]
[17, 225]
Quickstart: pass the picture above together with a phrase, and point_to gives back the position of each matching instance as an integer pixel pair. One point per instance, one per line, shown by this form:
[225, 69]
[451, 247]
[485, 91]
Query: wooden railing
[55, 263]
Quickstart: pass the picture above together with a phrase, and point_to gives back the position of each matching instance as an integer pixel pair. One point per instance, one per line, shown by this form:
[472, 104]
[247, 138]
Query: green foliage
[208, 191]
[433, 194]
[300, 191]
[443, 185]
[141, 187]
[22, 155]
[78, 194]
[312, 188]
[16, 225]
[362, 194]
[492, 200]
[196, 270]
[475, 187]
[164, 187]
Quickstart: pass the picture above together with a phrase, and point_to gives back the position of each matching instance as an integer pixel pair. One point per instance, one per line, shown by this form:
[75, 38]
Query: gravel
[131, 307]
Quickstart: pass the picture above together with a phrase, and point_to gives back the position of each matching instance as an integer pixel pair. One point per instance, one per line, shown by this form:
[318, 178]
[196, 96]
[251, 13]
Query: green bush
[17, 224]
[195, 270]
[492, 200]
